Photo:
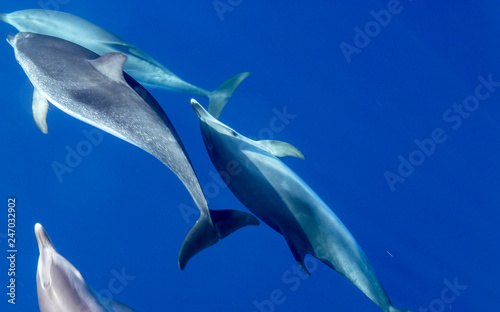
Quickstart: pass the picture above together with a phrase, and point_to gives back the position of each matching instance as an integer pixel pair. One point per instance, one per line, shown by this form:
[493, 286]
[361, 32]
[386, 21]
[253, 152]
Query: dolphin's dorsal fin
[111, 65]
[40, 107]
[280, 149]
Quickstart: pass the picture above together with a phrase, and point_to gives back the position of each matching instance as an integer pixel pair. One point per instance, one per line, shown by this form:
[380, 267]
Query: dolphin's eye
[233, 133]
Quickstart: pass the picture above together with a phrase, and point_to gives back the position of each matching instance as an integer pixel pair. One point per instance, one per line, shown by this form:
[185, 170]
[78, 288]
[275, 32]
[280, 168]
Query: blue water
[355, 117]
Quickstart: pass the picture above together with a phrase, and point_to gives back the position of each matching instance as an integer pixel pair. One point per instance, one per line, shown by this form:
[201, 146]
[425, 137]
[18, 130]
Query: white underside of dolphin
[61, 287]
[139, 65]
[275, 194]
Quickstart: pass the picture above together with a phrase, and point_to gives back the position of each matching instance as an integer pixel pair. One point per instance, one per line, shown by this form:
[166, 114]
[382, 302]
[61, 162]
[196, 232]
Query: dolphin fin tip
[303, 266]
[111, 65]
[221, 95]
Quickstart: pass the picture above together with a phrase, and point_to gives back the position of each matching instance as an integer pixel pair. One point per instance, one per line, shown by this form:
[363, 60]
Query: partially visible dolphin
[275, 194]
[139, 65]
[61, 287]
[95, 90]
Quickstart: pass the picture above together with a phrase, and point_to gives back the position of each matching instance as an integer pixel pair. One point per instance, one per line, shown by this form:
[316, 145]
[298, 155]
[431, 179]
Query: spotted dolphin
[61, 287]
[95, 90]
[280, 198]
[139, 65]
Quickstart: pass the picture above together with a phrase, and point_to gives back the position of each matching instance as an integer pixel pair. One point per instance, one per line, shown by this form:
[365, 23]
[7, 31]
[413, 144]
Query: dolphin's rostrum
[275, 194]
[61, 287]
[95, 90]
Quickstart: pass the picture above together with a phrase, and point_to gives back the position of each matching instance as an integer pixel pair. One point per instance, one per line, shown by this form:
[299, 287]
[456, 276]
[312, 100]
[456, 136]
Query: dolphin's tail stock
[370, 286]
[363, 276]
[3, 17]
[210, 228]
[335, 246]
[219, 97]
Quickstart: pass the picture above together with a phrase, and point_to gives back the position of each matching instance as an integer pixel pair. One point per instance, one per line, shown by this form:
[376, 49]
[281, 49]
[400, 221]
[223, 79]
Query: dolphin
[139, 65]
[95, 90]
[61, 287]
[280, 198]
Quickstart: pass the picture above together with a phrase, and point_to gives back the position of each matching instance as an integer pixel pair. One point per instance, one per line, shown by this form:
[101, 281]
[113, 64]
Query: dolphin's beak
[200, 111]
[11, 40]
[42, 238]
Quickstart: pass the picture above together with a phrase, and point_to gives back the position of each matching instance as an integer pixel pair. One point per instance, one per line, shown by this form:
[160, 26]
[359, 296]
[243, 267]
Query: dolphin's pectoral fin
[127, 49]
[117, 46]
[40, 108]
[280, 149]
[228, 221]
[210, 228]
[111, 65]
[298, 251]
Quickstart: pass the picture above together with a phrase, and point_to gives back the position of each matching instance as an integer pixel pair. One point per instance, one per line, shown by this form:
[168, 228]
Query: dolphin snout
[197, 108]
[42, 238]
[11, 40]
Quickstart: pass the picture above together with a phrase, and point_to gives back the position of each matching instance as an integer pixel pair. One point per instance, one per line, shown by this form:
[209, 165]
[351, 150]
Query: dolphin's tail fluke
[227, 221]
[219, 97]
[210, 228]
